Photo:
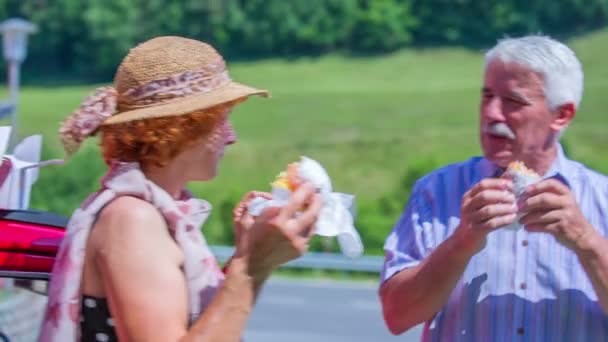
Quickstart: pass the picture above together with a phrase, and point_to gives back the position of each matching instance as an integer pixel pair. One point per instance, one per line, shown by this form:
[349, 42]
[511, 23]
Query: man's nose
[492, 109]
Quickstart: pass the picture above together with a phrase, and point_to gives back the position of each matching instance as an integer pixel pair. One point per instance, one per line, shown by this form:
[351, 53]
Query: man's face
[515, 121]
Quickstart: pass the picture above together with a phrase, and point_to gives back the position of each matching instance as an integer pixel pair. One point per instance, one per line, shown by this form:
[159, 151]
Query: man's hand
[487, 206]
[551, 208]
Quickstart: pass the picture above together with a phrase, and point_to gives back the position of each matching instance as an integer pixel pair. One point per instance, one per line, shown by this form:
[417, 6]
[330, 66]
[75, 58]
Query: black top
[96, 324]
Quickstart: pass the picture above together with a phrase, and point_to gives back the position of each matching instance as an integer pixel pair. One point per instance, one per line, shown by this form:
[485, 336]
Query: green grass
[367, 120]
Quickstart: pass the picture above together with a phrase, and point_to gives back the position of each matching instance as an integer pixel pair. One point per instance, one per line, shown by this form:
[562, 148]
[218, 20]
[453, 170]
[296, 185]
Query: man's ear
[563, 116]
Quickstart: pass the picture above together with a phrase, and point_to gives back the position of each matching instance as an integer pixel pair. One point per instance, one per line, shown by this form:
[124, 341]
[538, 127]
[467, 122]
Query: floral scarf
[184, 218]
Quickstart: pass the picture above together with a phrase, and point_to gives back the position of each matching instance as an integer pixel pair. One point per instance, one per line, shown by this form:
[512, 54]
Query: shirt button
[522, 286]
[520, 331]
[524, 243]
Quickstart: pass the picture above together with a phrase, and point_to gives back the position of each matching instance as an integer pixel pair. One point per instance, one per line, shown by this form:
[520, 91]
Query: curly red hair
[157, 141]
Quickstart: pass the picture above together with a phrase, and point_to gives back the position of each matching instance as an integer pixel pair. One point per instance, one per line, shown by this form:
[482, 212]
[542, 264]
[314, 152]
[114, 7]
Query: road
[294, 310]
[312, 310]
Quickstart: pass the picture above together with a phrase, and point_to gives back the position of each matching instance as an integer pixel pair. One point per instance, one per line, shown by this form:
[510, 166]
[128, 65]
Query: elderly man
[449, 260]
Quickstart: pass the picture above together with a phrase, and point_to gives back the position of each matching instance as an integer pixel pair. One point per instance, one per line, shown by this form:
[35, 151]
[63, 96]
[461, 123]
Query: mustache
[500, 129]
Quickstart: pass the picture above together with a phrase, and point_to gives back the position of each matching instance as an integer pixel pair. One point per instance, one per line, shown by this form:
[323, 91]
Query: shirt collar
[562, 168]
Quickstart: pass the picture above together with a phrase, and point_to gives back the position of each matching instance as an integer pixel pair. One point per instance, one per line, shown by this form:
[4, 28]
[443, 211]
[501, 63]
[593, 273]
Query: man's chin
[501, 158]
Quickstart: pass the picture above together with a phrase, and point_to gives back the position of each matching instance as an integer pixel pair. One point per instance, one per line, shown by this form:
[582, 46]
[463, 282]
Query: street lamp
[14, 46]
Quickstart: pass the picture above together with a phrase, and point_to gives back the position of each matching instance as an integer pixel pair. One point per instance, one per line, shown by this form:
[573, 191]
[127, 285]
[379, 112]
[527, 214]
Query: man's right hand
[487, 206]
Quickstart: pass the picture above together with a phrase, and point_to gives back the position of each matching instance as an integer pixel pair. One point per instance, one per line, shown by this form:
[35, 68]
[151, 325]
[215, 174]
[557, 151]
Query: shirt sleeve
[411, 239]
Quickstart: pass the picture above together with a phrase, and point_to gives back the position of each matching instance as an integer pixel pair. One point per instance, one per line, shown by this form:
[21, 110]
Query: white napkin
[336, 218]
[520, 182]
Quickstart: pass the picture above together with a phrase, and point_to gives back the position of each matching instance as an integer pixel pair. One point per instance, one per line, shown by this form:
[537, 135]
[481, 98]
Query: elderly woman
[134, 265]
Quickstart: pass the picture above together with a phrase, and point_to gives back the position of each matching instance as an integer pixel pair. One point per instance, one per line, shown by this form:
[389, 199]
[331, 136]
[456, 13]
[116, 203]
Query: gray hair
[561, 70]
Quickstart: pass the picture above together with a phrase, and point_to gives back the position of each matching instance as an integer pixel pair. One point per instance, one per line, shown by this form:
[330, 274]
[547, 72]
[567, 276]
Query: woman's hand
[278, 235]
[241, 219]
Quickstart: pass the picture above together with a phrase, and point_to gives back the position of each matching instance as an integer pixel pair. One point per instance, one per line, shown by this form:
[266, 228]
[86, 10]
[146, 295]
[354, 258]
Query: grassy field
[368, 120]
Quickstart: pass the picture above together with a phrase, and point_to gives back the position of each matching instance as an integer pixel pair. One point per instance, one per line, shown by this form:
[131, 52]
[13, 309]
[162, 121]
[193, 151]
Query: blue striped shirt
[522, 286]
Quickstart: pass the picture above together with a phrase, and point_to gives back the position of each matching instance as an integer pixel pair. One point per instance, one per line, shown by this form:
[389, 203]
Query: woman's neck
[169, 178]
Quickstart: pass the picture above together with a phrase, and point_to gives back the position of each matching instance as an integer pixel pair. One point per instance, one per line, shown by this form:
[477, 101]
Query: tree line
[89, 37]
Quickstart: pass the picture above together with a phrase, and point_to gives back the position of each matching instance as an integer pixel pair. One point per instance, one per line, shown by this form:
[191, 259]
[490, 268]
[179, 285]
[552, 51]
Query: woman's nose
[229, 133]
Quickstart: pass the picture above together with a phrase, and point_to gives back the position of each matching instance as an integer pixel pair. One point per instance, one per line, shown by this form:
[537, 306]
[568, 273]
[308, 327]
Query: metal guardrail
[37, 282]
[316, 260]
[311, 260]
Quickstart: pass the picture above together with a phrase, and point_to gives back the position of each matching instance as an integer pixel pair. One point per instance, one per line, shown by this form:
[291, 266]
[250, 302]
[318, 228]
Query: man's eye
[514, 101]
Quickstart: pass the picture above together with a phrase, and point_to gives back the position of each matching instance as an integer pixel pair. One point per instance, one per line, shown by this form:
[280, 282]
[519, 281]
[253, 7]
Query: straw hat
[147, 81]
[164, 76]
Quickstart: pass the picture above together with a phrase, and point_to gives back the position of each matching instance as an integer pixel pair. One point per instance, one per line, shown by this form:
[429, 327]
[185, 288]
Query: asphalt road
[314, 310]
[292, 310]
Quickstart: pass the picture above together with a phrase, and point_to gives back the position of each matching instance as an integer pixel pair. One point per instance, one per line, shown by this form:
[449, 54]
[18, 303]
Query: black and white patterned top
[96, 323]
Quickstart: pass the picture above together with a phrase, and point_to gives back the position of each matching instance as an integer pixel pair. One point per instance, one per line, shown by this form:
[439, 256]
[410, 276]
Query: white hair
[559, 67]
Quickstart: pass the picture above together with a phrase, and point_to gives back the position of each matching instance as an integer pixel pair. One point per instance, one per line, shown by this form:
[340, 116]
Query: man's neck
[541, 160]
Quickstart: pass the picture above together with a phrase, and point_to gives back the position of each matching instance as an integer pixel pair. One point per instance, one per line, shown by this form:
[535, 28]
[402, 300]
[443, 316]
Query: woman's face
[202, 159]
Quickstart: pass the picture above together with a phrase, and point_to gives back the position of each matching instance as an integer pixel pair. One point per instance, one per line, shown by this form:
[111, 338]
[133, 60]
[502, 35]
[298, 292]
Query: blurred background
[379, 91]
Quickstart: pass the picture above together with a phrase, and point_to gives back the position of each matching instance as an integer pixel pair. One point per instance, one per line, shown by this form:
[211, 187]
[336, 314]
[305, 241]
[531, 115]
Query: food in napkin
[336, 218]
[522, 177]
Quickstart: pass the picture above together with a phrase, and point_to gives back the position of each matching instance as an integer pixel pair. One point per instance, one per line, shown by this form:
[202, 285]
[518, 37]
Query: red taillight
[22, 262]
[29, 238]
[28, 247]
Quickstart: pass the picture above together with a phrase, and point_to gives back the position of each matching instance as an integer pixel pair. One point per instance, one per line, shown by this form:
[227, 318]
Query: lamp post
[14, 46]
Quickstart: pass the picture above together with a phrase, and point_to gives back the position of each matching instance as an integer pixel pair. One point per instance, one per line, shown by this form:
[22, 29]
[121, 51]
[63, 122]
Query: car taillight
[28, 247]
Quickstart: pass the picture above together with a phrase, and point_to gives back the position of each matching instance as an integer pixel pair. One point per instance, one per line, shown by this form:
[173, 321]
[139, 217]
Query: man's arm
[552, 209]
[415, 294]
[594, 258]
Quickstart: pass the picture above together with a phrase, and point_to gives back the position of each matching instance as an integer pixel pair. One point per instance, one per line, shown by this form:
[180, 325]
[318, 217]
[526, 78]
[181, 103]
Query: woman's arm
[140, 265]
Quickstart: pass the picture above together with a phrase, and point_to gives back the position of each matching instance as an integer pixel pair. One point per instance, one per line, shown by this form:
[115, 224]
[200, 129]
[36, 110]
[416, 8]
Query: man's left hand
[550, 207]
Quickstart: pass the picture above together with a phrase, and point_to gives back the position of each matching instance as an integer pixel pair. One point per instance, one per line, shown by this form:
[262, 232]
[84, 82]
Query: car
[29, 241]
